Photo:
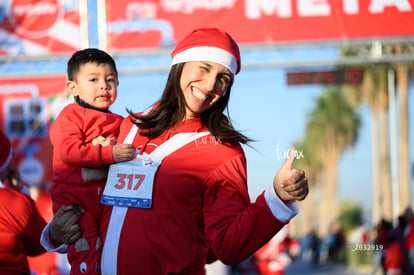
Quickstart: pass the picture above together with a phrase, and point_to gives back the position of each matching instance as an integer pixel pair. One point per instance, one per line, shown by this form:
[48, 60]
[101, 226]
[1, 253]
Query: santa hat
[5, 152]
[208, 44]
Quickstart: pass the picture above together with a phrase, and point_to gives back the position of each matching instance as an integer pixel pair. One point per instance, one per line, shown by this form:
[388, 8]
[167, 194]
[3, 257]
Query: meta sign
[161, 23]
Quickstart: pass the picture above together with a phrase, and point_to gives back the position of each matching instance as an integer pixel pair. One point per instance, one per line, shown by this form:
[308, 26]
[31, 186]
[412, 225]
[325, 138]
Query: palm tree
[381, 80]
[336, 125]
[373, 91]
[366, 92]
[404, 161]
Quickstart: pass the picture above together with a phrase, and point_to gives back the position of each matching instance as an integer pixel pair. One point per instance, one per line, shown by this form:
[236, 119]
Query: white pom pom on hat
[208, 44]
[5, 152]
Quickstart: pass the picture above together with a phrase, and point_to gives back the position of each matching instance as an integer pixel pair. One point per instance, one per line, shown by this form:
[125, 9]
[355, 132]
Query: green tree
[351, 215]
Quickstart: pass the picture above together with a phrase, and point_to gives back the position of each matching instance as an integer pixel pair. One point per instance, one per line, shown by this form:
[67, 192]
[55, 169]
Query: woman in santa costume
[20, 222]
[183, 202]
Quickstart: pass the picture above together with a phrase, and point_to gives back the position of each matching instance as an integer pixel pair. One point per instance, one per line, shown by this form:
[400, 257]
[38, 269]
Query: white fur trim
[203, 53]
[47, 243]
[283, 212]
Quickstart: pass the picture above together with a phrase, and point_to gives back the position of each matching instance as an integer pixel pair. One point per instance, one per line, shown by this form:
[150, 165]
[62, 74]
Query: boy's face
[95, 84]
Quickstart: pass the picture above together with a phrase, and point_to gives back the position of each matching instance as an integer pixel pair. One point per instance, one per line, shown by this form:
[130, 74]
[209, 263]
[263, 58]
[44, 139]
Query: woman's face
[203, 83]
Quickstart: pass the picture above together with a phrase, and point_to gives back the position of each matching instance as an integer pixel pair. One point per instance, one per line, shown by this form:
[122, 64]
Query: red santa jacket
[393, 259]
[77, 163]
[71, 135]
[20, 228]
[200, 201]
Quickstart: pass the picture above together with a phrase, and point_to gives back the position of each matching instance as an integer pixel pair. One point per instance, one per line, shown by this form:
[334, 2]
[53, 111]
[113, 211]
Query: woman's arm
[62, 230]
[235, 227]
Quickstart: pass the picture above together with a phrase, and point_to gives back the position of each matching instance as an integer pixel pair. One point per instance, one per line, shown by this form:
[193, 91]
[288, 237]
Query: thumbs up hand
[289, 183]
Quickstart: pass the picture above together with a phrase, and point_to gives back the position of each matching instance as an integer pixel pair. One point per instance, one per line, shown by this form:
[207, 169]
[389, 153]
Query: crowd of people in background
[388, 248]
[397, 255]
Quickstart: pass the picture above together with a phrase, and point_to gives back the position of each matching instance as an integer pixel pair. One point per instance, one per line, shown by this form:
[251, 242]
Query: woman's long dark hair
[171, 112]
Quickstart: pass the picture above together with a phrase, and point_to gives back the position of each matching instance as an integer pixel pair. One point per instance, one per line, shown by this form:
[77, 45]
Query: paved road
[301, 268]
[297, 268]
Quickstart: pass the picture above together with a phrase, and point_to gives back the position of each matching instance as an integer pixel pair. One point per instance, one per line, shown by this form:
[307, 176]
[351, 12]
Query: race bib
[130, 184]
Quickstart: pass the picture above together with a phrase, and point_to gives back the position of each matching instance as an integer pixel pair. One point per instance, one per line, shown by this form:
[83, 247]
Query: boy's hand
[103, 141]
[123, 152]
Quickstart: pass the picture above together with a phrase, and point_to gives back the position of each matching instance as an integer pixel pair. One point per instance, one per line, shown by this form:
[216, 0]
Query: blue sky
[273, 114]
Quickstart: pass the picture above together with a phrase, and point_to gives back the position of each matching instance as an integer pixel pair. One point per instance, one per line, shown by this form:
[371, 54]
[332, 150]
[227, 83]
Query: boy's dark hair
[89, 55]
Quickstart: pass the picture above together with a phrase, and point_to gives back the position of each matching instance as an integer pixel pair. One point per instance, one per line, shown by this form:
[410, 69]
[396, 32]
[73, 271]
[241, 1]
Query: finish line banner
[39, 27]
[152, 24]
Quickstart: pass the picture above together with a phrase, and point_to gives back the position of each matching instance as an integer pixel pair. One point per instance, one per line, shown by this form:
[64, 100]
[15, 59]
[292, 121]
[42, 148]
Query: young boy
[83, 138]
